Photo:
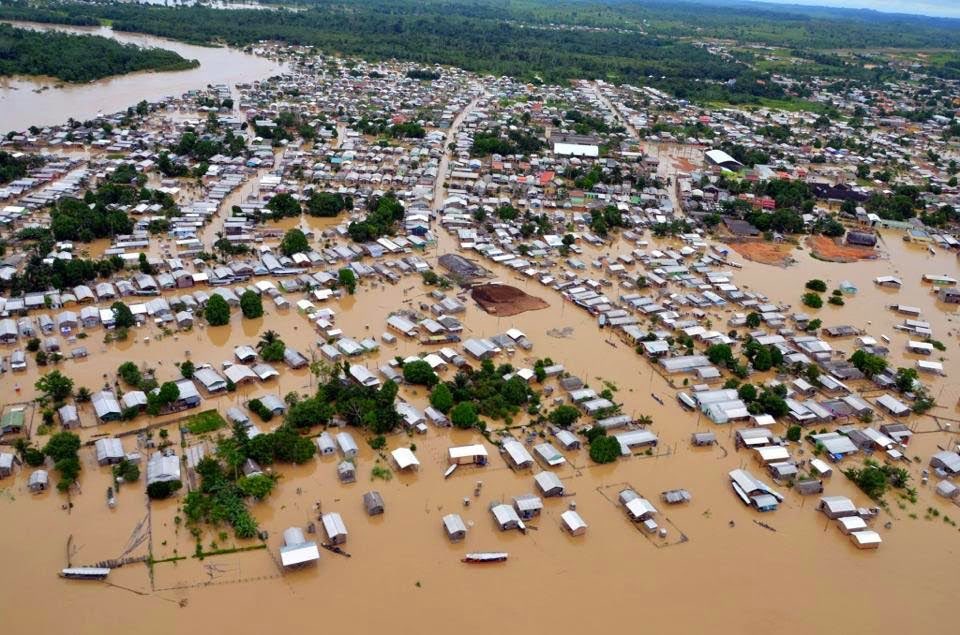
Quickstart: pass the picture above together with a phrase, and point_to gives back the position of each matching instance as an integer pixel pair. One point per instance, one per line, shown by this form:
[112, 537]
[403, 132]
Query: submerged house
[106, 406]
[297, 551]
[528, 506]
[517, 456]
[837, 507]
[467, 454]
[754, 492]
[454, 527]
[506, 517]
[573, 523]
[549, 484]
[373, 503]
[346, 472]
[335, 528]
[39, 480]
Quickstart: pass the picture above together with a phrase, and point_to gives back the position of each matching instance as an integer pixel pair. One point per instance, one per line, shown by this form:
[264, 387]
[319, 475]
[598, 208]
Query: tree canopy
[217, 311]
[294, 242]
[79, 58]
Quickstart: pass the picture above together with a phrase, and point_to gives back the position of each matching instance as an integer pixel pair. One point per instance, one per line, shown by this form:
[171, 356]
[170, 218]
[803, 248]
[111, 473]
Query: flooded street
[27, 102]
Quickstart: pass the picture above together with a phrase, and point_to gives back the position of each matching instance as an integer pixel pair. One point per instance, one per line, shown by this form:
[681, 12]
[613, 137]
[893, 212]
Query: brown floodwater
[27, 101]
[403, 570]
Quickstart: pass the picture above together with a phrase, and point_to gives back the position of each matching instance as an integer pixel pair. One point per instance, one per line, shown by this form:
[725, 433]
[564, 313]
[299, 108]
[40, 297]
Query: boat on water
[85, 573]
[486, 556]
[111, 498]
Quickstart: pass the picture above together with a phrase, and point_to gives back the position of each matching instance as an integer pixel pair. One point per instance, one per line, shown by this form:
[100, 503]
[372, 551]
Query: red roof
[546, 177]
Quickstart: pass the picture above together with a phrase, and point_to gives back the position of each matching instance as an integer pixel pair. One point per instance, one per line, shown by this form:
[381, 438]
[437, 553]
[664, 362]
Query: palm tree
[644, 420]
[268, 338]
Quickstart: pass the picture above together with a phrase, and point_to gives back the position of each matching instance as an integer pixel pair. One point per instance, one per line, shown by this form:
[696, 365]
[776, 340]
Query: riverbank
[39, 101]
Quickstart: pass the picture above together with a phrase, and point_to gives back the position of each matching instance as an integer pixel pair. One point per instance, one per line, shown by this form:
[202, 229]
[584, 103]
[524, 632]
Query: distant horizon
[928, 8]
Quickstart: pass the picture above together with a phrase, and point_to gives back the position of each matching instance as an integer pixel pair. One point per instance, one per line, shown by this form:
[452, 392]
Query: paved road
[444, 166]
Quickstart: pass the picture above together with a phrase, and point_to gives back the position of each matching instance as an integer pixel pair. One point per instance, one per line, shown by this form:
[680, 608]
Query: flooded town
[297, 336]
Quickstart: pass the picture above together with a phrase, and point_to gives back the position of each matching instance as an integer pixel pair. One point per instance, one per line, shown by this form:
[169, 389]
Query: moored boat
[486, 556]
[85, 573]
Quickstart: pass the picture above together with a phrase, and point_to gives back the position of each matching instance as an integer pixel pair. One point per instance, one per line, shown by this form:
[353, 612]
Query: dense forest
[645, 43]
[78, 58]
[13, 167]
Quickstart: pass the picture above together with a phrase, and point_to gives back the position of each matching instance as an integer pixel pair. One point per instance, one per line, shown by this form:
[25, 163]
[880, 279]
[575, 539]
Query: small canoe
[85, 573]
[486, 556]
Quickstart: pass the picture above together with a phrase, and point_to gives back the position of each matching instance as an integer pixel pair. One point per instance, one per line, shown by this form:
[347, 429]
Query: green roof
[12, 420]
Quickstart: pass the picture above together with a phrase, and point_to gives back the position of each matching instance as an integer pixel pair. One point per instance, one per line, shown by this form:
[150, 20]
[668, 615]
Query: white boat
[85, 573]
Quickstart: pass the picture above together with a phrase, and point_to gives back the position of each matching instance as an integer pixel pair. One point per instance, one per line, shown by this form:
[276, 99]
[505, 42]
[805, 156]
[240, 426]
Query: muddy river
[27, 101]
[715, 569]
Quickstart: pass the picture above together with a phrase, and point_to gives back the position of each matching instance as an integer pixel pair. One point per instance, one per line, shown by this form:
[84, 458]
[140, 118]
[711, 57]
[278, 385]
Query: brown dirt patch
[778, 254]
[825, 248]
[684, 165]
[504, 300]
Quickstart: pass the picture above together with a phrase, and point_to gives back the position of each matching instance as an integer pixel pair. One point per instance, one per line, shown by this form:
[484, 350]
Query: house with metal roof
[516, 454]
[475, 454]
[454, 527]
[335, 528]
[39, 480]
[188, 397]
[528, 506]
[109, 451]
[836, 445]
[549, 484]
[754, 492]
[373, 503]
[106, 406]
[297, 551]
[405, 459]
[346, 471]
[7, 461]
[638, 508]
[837, 507]
[567, 440]
[348, 447]
[364, 377]
[573, 523]
[69, 418]
[635, 438]
[326, 446]
[163, 467]
[506, 517]
[548, 455]
[210, 379]
[946, 463]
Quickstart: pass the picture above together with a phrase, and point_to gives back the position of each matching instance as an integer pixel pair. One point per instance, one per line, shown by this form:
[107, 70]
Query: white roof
[333, 524]
[867, 537]
[838, 504]
[292, 555]
[467, 450]
[572, 520]
[639, 507]
[405, 458]
[454, 523]
[852, 523]
[773, 453]
[518, 453]
[505, 514]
